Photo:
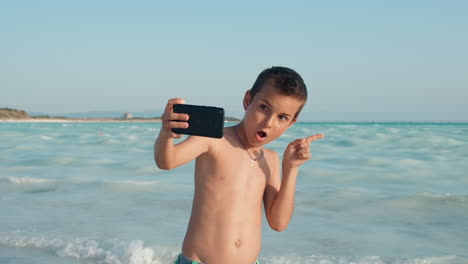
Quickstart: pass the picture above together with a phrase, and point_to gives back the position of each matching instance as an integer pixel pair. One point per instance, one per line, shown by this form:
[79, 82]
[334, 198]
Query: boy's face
[268, 115]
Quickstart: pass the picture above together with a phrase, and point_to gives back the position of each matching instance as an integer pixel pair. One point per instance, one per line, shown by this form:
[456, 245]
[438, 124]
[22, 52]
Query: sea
[90, 193]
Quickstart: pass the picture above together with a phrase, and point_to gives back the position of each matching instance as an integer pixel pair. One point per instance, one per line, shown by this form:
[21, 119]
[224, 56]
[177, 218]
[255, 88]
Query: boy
[234, 174]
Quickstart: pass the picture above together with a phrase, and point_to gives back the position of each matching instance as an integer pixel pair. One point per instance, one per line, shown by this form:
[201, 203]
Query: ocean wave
[24, 180]
[379, 162]
[393, 130]
[446, 141]
[363, 260]
[29, 184]
[25, 147]
[149, 170]
[106, 252]
[110, 142]
[442, 198]
[20, 168]
[137, 252]
[412, 163]
[427, 202]
[99, 161]
[57, 161]
[131, 137]
[406, 163]
[131, 185]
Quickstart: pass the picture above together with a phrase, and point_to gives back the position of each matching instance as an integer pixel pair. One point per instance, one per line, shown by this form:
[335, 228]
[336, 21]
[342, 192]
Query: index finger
[172, 102]
[314, 137]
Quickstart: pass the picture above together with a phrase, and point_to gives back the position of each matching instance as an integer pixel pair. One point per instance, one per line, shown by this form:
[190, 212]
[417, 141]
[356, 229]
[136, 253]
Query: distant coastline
[76, 120]
[20, 116]
[8, 115]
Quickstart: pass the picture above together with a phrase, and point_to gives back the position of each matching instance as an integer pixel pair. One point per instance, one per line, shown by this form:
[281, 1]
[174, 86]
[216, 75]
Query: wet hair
[286, 80]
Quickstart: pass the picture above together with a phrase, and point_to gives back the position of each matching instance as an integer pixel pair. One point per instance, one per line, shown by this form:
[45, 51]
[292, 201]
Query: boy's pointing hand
[314, 137]
[298, 151]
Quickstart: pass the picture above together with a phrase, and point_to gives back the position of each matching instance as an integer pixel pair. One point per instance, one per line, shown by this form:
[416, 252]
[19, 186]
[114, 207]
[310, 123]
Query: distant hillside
[108, 114]
[119, 114]
[8, 113]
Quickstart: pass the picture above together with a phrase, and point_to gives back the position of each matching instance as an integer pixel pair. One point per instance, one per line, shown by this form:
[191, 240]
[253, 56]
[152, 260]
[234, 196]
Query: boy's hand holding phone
[196, 120]
[171, 120]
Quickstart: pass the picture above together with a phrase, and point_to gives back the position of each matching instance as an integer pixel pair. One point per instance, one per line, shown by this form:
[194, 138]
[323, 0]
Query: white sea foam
[105, 252]
[110, 141]
[25, 180]
[393, 130]
[27, 184]
[137, 252]
[446, 198]
[20, 168]
[24, 147]
[427, 202]
[61, 160]
[412, 163]
[377, 161]
[139, 150]
[149, 170]
[130, 185]
[445, 141]
[131, 137]
[363, 260]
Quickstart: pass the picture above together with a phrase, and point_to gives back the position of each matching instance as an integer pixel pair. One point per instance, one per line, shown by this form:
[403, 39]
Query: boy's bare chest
[231, 165]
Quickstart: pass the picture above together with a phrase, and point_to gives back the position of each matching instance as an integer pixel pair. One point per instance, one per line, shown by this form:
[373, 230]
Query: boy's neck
[240, 131]
[257, 153]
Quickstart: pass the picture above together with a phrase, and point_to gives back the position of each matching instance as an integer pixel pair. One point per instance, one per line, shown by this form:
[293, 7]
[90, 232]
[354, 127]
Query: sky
[361, 60]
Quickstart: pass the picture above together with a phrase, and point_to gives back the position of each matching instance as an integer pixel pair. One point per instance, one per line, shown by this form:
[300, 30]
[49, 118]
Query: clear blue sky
[362, 60]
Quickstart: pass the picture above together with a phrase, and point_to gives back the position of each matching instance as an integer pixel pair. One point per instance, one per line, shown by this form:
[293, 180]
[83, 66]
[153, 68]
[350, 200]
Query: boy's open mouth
[261, 135]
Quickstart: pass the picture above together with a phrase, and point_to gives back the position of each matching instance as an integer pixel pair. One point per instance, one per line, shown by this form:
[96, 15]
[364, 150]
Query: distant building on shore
[127, 116]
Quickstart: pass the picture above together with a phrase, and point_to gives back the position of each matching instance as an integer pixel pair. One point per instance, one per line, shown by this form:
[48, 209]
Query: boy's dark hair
[286, 80]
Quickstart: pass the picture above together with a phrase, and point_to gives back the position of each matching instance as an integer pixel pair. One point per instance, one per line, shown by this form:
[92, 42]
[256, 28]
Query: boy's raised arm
[280, 194]
[167, 155]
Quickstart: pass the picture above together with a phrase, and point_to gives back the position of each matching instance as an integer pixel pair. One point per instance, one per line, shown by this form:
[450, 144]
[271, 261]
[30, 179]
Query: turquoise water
[373, 193]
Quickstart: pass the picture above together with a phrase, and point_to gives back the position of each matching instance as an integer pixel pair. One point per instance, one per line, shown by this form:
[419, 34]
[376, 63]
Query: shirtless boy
[234, 174]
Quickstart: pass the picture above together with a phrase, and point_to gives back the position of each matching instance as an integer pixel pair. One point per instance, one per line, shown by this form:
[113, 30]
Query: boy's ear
[247, 99]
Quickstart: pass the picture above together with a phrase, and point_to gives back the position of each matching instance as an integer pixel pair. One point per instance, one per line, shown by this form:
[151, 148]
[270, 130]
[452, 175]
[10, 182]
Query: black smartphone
[204, 121]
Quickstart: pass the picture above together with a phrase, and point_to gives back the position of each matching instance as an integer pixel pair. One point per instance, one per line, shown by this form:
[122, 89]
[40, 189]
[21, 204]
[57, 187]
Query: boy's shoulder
[271, 154]
[270, 151]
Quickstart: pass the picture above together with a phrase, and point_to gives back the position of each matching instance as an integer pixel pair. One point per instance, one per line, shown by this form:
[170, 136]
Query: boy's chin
[262, 142]
[256, 143]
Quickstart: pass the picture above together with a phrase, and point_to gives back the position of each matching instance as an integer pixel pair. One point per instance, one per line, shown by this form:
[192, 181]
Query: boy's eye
[263, 107]
[283, 118]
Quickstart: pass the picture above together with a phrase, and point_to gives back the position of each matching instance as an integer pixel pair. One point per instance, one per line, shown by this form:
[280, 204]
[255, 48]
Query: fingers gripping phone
[205, 121]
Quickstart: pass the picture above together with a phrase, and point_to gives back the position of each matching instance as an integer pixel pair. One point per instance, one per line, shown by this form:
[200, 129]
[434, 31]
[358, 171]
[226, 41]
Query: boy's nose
[267, 121]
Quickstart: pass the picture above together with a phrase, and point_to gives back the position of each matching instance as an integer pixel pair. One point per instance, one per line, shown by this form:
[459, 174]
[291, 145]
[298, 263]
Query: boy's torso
[225, 223]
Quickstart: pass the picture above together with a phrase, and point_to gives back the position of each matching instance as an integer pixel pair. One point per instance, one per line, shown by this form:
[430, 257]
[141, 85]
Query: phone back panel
[205, 121]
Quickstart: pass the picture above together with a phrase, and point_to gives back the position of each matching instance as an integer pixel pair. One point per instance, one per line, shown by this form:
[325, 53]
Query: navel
[237, 243]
